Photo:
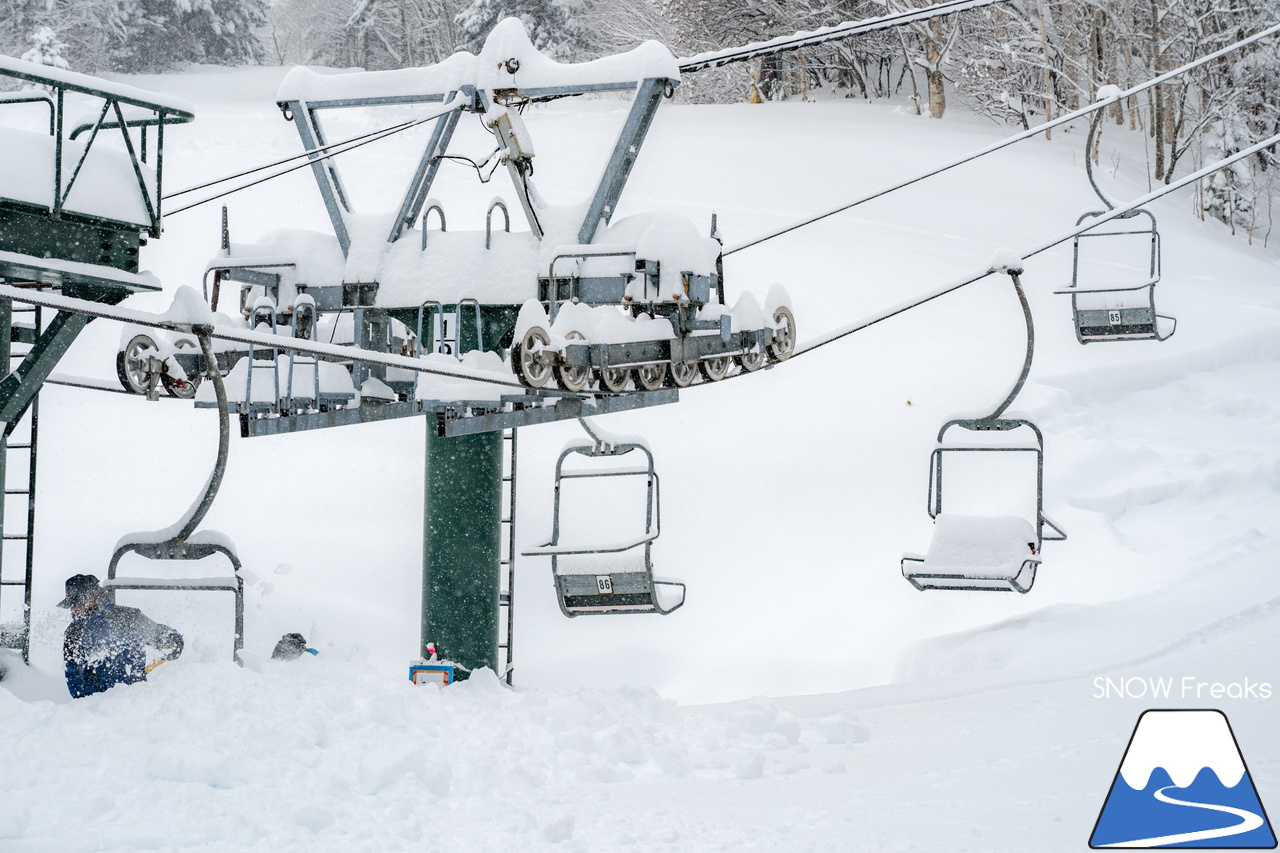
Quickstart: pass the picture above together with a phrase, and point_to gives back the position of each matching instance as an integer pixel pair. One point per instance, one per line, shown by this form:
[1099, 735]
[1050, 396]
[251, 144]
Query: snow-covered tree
[154, 35]
[554, 26]
[46, 49]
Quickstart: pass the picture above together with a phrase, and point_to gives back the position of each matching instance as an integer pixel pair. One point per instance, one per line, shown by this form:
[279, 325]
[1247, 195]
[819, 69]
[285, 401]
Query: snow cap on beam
[533, 70]
[304, 84]
[492, 69]
[75, 81]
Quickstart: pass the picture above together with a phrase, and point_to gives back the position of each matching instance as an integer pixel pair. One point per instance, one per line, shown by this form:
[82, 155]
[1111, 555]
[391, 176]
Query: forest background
[1019, 62]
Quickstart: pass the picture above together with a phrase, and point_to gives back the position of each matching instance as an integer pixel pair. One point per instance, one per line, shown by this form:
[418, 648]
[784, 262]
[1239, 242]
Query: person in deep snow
[291, 646]
[105, 644]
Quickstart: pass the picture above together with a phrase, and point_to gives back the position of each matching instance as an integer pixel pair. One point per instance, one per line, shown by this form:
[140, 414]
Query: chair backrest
[1123, 252]
[189, 553]
[610, 502]
[989, 467]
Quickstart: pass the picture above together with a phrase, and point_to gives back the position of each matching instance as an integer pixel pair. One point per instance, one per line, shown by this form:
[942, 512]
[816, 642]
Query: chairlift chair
[612, 578]
[1116, 312]
[182, 545]
[998, 553]
[995, 553]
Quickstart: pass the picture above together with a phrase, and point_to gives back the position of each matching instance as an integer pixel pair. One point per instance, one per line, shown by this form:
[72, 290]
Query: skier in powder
[105, 644]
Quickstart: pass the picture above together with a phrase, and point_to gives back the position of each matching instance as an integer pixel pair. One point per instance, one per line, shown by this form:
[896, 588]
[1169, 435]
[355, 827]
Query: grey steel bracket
[496, 204]
[625, 151]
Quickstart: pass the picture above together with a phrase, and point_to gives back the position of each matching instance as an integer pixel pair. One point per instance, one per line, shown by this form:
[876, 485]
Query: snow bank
[318, 754]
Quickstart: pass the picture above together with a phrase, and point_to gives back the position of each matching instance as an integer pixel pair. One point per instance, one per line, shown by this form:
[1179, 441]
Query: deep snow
[900, 719]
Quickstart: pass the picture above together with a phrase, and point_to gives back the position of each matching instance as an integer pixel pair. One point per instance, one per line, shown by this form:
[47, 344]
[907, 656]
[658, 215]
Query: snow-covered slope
[939, 721]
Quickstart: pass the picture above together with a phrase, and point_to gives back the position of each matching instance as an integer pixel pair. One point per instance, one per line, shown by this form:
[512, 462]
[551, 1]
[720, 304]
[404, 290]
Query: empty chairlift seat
[596, 577]
[1117, 310]
[996, 553]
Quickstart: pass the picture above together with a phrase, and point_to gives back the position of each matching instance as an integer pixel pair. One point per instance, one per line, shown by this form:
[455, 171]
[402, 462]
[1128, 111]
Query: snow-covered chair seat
[998, 553]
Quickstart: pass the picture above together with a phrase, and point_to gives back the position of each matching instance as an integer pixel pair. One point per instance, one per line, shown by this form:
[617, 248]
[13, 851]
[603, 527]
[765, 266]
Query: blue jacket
[107, 647]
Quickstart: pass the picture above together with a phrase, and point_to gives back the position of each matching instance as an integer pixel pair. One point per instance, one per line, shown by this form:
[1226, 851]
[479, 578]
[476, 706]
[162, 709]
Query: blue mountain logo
[1183, 783]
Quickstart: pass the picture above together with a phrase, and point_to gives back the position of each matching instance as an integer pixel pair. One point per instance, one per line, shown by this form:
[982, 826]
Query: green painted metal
[83, 236]
[29, 230]
[496, 321]
[21, 386]
[462, 549]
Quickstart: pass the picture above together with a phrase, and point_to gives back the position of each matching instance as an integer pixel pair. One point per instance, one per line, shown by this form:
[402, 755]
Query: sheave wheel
[683, 373]
[751, 361]
[716, 369]
[614, 378]
[784, 336]
[573, 378]
[650, 377]
[131, 364]
[177, 386]
[533, 372]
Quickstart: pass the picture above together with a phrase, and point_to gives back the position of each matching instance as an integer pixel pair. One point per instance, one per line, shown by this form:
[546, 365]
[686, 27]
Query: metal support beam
[6, 331]
[461, 548]
[325, 172]
[428, 166]
[648, 97]
[20, 387]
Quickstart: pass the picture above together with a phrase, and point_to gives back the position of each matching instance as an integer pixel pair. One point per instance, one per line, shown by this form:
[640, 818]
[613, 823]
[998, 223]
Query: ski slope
[806, 697]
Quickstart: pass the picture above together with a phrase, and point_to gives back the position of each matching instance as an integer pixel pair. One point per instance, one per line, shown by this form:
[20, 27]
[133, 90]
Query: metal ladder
[23, 437]
[506, 597]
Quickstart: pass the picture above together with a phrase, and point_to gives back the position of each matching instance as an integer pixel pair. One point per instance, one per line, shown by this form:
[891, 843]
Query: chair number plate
[445, 333]
[1113, 317]
[604, 584]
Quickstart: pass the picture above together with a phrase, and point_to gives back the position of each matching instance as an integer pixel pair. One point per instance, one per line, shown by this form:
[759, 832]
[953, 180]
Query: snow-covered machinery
[629, 304]
[1118, 310]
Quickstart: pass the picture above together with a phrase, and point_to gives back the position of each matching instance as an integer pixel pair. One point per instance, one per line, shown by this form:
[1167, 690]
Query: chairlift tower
[592, 314]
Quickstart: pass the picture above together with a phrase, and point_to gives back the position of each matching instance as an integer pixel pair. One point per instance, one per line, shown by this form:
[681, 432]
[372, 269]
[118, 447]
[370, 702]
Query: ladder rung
[13, 583]
[17, 492]
[16, 536]
[26, 446]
